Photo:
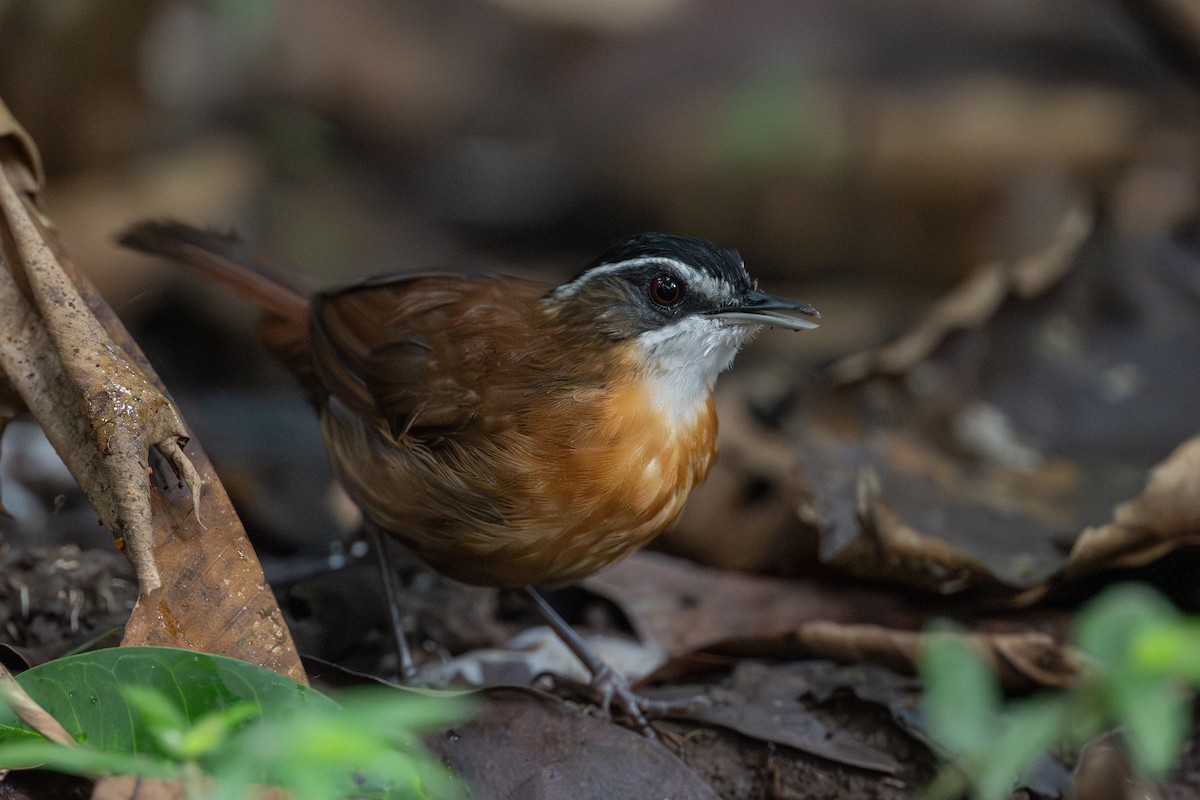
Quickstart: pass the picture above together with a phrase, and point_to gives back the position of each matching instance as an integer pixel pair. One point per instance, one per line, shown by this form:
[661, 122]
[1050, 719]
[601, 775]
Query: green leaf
[1142, 643]
[1109, 625]
[85, 694]
[164, 712]
[212, 730]
[84, 761]
[1030, 728]
[371, 736]
[1170, 648]
[1155, 715]
[154, 708]
[961, 696]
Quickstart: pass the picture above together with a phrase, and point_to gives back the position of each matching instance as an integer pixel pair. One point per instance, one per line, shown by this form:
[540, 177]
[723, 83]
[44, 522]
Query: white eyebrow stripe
[705, 284]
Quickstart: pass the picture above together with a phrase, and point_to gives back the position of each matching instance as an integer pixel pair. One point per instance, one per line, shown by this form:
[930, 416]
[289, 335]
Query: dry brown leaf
[976, 470]
[214, 597]
[679, 606]
[103, 408]
[1021, 660]
[1166, 515]
[974, 302]
[894, 508]
[890, 548]
[135, 788]
[97, 406]
[1103, 772]
[30, 712]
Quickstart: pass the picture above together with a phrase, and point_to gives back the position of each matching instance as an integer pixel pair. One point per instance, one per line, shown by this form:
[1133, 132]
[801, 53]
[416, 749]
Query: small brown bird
[509, 432]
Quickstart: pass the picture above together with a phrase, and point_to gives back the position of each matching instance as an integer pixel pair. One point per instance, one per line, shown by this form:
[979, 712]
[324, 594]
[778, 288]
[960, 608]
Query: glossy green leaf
[85, 694]
[165, 713]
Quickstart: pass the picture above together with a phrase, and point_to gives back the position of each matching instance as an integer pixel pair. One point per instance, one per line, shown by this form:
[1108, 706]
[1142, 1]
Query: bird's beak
[760, 308]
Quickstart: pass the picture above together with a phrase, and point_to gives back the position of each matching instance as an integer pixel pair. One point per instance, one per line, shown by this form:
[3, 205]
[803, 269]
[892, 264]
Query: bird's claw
[607, 690]
[611, 689]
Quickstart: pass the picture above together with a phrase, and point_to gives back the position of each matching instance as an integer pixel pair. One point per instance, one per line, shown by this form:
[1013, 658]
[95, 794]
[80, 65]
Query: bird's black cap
[724, 265]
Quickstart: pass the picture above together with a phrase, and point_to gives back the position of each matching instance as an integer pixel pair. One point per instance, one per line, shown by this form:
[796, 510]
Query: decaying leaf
[1103, 772]
[524, 744]
[983, 512]
[893, 507]
[769, 704]
[75, 367]
[976, 464]
[98, 407]
[679, 606]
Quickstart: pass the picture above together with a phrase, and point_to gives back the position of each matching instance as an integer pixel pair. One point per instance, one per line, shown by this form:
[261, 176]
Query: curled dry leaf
[1166, 515]
[75, 367]
[30, 712]
[1021, 660]
[974, 471]
[974, 302]
[106, 412]
[895, 508]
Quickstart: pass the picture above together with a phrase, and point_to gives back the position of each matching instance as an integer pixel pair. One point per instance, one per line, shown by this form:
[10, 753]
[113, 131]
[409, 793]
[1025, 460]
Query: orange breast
[625, 472]
[570, 483]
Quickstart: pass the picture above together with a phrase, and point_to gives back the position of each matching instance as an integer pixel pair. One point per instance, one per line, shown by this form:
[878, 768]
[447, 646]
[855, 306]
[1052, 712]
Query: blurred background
[864, 155]
[843, 141]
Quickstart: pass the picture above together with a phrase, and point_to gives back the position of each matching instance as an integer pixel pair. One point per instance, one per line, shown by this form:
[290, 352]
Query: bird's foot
[609, 690]
[607, 687]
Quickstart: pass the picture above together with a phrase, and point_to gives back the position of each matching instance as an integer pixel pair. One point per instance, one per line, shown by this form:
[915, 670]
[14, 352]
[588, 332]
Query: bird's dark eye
[665, 290]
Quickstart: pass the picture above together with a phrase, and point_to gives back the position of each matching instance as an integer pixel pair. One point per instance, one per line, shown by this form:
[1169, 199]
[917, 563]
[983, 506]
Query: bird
[512, 433]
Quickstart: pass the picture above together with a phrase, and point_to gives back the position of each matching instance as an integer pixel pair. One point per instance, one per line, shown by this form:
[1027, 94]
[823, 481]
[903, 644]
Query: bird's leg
[612, 687]
[392, 593]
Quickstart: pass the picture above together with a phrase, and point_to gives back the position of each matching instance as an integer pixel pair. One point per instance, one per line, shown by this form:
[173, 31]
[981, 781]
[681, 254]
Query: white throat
[681, 361]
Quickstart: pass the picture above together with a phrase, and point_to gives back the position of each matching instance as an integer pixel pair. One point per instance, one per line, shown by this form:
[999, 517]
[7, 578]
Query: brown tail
[225, 260]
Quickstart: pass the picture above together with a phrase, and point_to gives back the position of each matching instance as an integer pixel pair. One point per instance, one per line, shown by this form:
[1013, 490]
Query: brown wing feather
[421, 352]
